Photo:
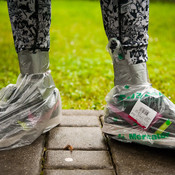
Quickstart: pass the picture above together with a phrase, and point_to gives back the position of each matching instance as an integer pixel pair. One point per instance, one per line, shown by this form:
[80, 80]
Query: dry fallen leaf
[68, 147]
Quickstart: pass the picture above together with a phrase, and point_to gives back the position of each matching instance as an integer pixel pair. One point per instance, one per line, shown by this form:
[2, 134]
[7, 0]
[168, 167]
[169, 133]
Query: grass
[81, 67]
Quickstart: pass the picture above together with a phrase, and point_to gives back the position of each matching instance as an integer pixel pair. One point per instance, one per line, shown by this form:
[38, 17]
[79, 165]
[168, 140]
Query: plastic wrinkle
[27, 109]
[124, 72]
[119, 125]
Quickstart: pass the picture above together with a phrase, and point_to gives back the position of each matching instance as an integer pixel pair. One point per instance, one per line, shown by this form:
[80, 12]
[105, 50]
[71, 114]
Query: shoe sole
[133, 134]
[32, 133]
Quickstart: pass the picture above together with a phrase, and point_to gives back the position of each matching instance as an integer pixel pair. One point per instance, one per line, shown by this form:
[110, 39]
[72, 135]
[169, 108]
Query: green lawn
[81, 67]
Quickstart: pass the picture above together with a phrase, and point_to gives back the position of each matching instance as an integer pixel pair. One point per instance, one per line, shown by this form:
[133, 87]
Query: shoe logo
[139, 95]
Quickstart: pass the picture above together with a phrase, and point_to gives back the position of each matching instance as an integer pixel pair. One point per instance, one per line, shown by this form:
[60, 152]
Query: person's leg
[44, 20]
[110, 14]
[33, 104]
[134, 29]
[126, 26]
[30, 22]
[127, 21]
[133, 106]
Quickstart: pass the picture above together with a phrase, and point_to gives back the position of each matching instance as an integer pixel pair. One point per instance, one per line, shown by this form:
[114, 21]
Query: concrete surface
[132, 159]
[92, 153]
[78, 137]
[79, 172]
[59, 159]
[23, 161]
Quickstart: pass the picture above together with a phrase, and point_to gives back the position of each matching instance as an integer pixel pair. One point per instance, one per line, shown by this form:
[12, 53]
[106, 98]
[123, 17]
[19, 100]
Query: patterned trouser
[126, 20]
[30, 21]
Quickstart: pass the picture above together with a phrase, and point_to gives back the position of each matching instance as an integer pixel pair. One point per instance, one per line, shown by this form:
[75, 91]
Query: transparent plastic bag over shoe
[140, 114]
[135, 111]
[27, 109]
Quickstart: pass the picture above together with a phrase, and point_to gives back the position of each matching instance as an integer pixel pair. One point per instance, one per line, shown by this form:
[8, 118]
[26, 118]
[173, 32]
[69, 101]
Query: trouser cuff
[136, 55]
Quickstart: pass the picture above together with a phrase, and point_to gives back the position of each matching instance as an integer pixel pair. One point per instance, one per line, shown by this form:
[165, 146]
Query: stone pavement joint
[46, 136]
[82, 130]
[93, 153]
[138, 159]
[132, 159]
[101, 118]
[79, 128]
[58, 159]
[92, 138]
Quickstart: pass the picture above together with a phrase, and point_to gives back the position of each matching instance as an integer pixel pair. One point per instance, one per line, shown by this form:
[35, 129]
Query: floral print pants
[126, 20]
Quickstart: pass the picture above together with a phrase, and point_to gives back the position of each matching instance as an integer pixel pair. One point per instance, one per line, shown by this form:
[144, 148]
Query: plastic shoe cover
[141, 114]
[28, 109]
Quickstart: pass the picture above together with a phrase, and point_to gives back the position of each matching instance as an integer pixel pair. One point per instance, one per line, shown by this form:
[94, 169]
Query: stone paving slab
[78, 160]
[79, 120]
[83, 112]
[80, 138]
[132, 159]
[22, 161]
[79, 172]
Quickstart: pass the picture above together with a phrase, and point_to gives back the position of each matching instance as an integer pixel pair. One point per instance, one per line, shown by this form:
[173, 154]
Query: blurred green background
[81, 67]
